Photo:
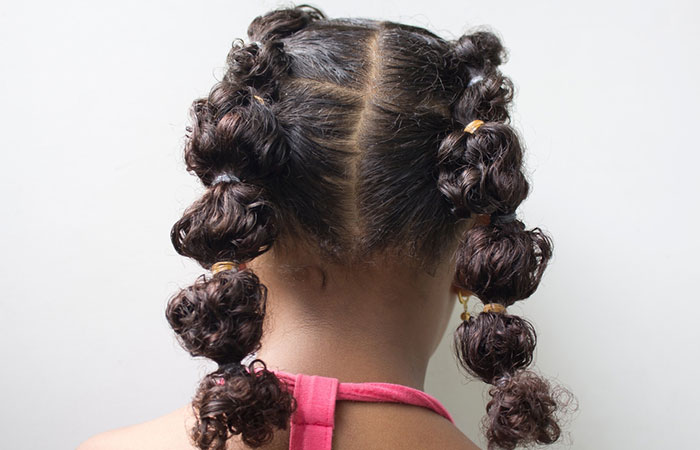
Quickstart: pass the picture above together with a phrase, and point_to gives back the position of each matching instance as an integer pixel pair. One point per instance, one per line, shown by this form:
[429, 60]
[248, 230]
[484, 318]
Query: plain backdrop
[94, 98]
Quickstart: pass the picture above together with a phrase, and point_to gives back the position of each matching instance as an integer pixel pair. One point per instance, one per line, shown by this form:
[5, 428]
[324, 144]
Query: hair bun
[482, 173]
[522, 411]
[481, 50]
[251, 402]
[282, 22]
[195, 314]
[493, 345]
[229, 222]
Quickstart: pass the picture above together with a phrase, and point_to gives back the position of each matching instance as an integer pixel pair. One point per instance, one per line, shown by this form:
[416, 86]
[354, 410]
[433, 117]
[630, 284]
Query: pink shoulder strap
[313, 420]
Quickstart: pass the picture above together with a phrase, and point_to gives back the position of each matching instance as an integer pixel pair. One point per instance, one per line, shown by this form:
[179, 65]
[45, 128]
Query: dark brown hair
[348, 134]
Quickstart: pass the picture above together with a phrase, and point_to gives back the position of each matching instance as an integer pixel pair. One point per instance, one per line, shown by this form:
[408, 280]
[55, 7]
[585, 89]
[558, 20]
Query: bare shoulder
[431, 431]
[166, 432]
[453, 438]
[362, 425]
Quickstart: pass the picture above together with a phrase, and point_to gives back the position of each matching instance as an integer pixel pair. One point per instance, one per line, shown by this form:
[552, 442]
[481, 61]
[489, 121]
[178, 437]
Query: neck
[378, 323]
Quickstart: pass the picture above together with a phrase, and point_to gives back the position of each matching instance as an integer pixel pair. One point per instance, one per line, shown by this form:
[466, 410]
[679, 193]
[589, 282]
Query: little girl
[360, 177]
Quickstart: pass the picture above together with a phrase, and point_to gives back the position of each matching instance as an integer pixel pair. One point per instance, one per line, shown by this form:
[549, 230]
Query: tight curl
[349, 134]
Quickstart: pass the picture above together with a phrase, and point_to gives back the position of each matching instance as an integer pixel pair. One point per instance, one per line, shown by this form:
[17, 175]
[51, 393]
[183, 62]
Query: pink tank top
[312, 422]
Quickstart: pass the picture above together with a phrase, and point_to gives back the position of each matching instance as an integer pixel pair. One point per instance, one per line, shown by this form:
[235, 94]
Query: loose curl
[221, 318]
[500, 262]
[348, 134]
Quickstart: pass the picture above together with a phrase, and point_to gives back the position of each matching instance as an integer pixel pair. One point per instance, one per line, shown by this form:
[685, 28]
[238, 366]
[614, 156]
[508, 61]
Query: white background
[94, 102]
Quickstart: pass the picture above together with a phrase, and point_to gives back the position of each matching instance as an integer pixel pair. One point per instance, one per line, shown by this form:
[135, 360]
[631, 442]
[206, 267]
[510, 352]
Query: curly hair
[348, 134]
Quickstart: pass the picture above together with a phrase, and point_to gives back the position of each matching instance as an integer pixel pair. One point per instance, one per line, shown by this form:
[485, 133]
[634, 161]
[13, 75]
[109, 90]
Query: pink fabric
[312, 422]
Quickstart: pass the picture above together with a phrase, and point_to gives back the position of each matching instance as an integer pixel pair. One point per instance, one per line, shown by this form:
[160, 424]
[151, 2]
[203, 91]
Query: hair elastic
[226, 265]
[259, 99]
[494, 308]
[473, 126]
[502, 218]
[488, 307]
[475, 79]
[225, 178]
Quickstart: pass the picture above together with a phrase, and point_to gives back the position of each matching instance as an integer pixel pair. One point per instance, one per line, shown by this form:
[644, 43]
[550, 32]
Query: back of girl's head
[348, 135]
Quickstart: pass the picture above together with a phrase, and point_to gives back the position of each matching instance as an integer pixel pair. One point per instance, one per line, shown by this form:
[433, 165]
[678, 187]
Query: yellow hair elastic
[489, 307]
[259, 99]
[473, 126]
[494, 308]
[226, 265]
